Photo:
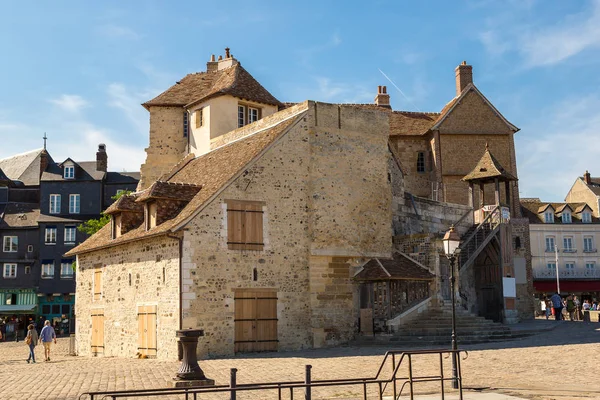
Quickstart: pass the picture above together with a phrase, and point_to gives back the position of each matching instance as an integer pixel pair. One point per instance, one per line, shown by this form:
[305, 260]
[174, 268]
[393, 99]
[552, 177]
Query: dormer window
[586, 217]
[549, 217]
[247, 115]
[151, 215]
[69, 172]
[566, 217]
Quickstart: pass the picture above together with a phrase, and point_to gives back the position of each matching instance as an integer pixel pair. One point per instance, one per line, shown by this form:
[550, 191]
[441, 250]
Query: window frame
[548, 217]
[55, 200]
[553, 240]
[566, 218]
[421, 167]
[590, 248]
[551, 265]
[10, 243]
[570, 241]
[199, 117]
[10, 267]
[70, 228]
[50, 229]
[586, 217]
[44, 267]
[69, 168]
[68, 266]
[74, 205]
[245, 115]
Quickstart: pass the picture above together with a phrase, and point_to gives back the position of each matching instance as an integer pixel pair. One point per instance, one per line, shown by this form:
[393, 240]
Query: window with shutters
[199, 116]
[97, 294]
[245, 225]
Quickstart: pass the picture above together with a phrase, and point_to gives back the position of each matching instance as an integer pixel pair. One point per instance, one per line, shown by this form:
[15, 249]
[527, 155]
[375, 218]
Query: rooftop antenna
[45, 138]
[401, 92]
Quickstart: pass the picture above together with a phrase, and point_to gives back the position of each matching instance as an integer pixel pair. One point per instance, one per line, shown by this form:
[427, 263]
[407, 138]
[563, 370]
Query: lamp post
[451, 242]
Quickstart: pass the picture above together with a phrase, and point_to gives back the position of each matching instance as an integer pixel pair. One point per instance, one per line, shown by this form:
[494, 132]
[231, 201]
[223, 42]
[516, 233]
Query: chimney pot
[212, 58]
[382, 99]
[220, 58]
[464, 76]
[227, 55]
[101, 158]
[384, 89]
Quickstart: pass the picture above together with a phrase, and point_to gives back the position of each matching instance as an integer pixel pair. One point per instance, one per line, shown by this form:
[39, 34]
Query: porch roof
[399, 267]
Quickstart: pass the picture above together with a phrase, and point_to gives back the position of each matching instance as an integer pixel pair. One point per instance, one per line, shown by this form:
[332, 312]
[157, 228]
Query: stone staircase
[434, 328]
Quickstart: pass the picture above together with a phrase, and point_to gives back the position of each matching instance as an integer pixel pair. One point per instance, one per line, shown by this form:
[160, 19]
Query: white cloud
[129, 103]
[551, 158]
[70, 102]
[118, 32]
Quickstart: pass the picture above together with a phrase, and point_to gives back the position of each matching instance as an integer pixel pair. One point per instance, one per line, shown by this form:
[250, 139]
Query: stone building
[586, 189]
[257, 220]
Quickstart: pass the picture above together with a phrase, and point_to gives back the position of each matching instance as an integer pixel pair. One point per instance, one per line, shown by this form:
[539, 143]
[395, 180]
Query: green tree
[92, 226]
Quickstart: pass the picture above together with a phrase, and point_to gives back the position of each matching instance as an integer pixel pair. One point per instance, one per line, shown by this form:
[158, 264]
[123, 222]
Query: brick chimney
[383, 98]
[587, 177]
[212, 65]
[101, 158]
[464, 76]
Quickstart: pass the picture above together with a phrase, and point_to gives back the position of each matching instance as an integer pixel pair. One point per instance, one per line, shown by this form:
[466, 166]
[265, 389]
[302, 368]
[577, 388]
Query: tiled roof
[194, 88]
[594, 184]
[169, 190]
[19, 215]
[84, 171]
[411, 123]
[71, 219]
[399, 267]
[534, 211]
[125, 203]
[488, 168]
[24, 167]
[212, 171]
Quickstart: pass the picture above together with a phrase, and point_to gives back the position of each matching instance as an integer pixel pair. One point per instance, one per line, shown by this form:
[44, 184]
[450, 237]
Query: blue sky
[79, 70]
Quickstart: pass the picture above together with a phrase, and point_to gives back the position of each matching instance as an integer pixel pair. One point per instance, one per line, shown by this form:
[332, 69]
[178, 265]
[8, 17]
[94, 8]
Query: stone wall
[408, 147]
[138, 273]
[579, 192]
[167, 143]
[522, 259]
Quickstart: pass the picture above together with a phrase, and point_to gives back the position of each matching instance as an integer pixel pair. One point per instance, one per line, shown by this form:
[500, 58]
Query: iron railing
[482, 234]
[396, 383]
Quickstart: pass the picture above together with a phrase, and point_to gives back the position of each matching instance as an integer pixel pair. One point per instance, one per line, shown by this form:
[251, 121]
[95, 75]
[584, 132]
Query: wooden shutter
[255, 320]
[199, 118]
[147, 330]
[244, 225]
[97, 332]
[97, 284]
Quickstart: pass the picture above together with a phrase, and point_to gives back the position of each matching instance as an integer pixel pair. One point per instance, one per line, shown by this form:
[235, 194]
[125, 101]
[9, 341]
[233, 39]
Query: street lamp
[451, 248]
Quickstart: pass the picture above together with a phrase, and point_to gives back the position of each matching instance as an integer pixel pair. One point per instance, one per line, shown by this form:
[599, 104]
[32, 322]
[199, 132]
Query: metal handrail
[491, 222]
[308, 383]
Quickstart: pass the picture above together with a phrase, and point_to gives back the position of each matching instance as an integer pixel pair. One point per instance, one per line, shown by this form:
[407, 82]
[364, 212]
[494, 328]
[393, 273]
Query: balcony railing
[576, 273]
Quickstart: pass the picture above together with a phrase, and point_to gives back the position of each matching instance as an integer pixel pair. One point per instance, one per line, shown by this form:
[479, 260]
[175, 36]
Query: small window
[46, 309]
[55, 308]
[70, 233]
[568, 244]
[244, 225]
[27, 269]
[590, 266]
[97, 293]
[588, 244]
[74, 202]
[247, 115]
[10, 271]
[30, 248]
[241, 116]
[420, 162]
[198, 116]
[69, 172]
[66, 309]
[570, 266]
[549, 217]
[11, 244]
[66, 269]
[566, 217]
[252, 115]
[47, 270]
[50, 235]
[550, 244]
[586, 217]
[55, 204]
[551, 265]
[186, 126]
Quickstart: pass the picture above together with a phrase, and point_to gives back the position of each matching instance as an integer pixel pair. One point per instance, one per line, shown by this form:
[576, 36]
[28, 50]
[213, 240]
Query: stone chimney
[101, 158]
[383, 98]
[212, 65]
[464, 76]
[44, 161]
[587, 177]
[226, 62]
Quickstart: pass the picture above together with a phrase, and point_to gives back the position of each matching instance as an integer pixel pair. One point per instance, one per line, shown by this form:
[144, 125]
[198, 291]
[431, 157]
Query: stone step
[444, 331]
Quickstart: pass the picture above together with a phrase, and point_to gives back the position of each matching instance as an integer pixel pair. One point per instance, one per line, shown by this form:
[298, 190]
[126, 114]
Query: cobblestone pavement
[561, 364]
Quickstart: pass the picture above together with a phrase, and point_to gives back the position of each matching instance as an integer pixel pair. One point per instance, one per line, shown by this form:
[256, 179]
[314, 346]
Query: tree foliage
[92, 226]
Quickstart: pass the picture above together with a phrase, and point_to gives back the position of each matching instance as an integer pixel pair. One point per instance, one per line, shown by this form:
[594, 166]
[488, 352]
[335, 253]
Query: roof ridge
[417, 112]
[22, 154]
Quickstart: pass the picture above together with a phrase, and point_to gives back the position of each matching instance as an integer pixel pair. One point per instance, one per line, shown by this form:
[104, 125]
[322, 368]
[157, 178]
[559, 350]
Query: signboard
[509, 287]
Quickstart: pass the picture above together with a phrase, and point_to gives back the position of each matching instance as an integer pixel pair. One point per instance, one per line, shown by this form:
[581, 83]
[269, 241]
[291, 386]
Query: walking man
[556, 304]
[46, 337]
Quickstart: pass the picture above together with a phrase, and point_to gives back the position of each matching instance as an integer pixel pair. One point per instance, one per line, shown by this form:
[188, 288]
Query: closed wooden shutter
[245, 225]
[199, 118]
[97, 284]
[147, 330]
[97, 332]
[255, 320]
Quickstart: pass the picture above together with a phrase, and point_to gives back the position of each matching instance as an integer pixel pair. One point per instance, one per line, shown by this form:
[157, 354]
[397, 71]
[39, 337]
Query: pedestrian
[32, 340]
[571, 308]
[578, 317]
[548, 307]
[557, 305]
[46, 337]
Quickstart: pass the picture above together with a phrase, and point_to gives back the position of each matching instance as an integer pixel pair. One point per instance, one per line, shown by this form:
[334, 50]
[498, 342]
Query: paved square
[561, 364]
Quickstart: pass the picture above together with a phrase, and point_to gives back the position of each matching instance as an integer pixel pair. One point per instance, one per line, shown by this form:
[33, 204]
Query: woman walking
[31, 340]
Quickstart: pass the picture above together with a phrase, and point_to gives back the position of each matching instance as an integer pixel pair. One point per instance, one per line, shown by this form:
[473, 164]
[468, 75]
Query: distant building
[41, 204]
[586, 189]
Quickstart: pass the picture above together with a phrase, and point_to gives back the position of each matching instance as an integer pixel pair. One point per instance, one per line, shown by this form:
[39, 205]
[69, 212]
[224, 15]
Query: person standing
[548, 307]
[46, 337]
[32, 341]
[571, 308]
[557, 305]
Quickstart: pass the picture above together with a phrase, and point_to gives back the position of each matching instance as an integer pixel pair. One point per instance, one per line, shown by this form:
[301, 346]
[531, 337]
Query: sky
[78, 71]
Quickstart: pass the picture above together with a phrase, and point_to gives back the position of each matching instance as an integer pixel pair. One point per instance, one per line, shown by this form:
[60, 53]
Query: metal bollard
[233, 384]
[307, 381]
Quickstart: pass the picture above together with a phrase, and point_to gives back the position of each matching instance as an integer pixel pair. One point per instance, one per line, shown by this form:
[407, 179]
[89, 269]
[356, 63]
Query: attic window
[245, 225]
[69, 172]
[247, 115]
[549, 217]
[566, 217]
[586, 217]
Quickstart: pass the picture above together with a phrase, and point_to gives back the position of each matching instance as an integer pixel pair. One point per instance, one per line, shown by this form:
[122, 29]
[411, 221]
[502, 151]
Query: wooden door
[97, 332]
[147, 330]
[255, 320]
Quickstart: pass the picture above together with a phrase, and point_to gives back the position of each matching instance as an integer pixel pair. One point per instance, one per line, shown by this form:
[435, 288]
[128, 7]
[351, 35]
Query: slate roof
[125, 203]
[488, 168]
[169, 190]
[122, 177]
[194, 88]
[84, 171]
[3, 177]
[400, 266]
[212, 171]
[24, 167]
[533, 209]
[19, 215]
[72, 219]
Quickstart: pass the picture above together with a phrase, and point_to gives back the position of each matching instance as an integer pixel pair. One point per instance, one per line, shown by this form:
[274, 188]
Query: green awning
[17, 308]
